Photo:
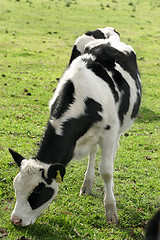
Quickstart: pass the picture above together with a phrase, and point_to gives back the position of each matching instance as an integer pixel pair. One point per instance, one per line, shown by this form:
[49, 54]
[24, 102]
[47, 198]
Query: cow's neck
[60, 148]
[56, 148]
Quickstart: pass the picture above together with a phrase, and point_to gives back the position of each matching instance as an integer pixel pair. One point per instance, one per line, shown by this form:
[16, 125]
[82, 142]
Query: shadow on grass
[131, 224]
[146, 114]
[48, 231]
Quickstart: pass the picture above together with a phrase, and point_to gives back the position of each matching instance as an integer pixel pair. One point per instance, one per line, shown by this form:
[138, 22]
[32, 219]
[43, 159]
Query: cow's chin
[25, 224]
[23, 220]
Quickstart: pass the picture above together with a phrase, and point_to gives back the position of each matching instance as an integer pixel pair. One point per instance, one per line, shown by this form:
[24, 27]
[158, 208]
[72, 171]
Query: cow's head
[36, 185]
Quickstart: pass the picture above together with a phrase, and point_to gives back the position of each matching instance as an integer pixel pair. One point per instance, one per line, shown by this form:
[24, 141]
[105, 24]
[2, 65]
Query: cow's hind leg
[89, 175]
[108, 146]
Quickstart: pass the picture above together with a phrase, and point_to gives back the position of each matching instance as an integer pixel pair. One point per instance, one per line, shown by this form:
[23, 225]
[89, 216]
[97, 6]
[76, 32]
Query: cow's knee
[106, 172]
[107, 176]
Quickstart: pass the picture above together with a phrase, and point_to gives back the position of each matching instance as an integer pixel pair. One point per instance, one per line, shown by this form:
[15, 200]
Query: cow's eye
[40, 195]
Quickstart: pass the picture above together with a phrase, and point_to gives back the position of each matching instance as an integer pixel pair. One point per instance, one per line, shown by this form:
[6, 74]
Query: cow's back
[106, 91]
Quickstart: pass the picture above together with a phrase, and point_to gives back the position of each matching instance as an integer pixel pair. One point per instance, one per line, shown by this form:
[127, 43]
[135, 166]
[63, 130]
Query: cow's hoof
[85, 190]
[111, 214]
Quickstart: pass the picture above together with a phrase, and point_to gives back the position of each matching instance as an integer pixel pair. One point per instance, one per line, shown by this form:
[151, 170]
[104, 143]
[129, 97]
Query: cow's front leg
[89, 175]
[108, 145]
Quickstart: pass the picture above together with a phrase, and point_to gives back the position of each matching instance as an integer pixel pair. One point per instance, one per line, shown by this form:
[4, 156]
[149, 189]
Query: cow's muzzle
[16, 221]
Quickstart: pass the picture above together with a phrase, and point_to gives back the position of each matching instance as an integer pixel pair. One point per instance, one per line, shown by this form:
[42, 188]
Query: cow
[96, 100]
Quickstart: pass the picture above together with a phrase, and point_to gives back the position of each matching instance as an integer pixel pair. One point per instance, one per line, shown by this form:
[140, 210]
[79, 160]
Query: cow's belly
[85, 144]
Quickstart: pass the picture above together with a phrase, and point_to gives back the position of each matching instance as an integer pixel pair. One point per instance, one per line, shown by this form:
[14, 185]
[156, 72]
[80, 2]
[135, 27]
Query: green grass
[36, 38]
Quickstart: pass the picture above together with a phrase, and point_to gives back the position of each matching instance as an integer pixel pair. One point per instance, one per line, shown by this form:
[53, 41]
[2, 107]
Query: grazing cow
[96, 100]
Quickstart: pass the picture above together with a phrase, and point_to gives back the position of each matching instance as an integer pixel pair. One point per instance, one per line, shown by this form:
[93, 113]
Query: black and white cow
[96, 100]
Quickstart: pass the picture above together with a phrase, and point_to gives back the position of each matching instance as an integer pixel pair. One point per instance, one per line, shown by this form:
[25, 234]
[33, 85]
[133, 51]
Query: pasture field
[36, 38]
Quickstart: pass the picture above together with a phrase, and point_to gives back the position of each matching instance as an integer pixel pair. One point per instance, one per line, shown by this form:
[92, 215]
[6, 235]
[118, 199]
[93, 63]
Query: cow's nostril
[16, 221]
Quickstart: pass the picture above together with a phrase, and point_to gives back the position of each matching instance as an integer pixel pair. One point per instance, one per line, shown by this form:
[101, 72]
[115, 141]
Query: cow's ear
[16, 156]
[57, 172]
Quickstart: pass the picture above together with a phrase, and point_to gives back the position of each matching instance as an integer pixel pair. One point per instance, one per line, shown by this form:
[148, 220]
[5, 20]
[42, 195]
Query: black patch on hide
[124, 89]
[63, 101]
[136, 106]
[59, 148]
[101, 72]
[77, 127]
[97, 34]
[108, 127]
[106, 55]
[52, 147]
[106, 58]
[40, 195]
[75, 53]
